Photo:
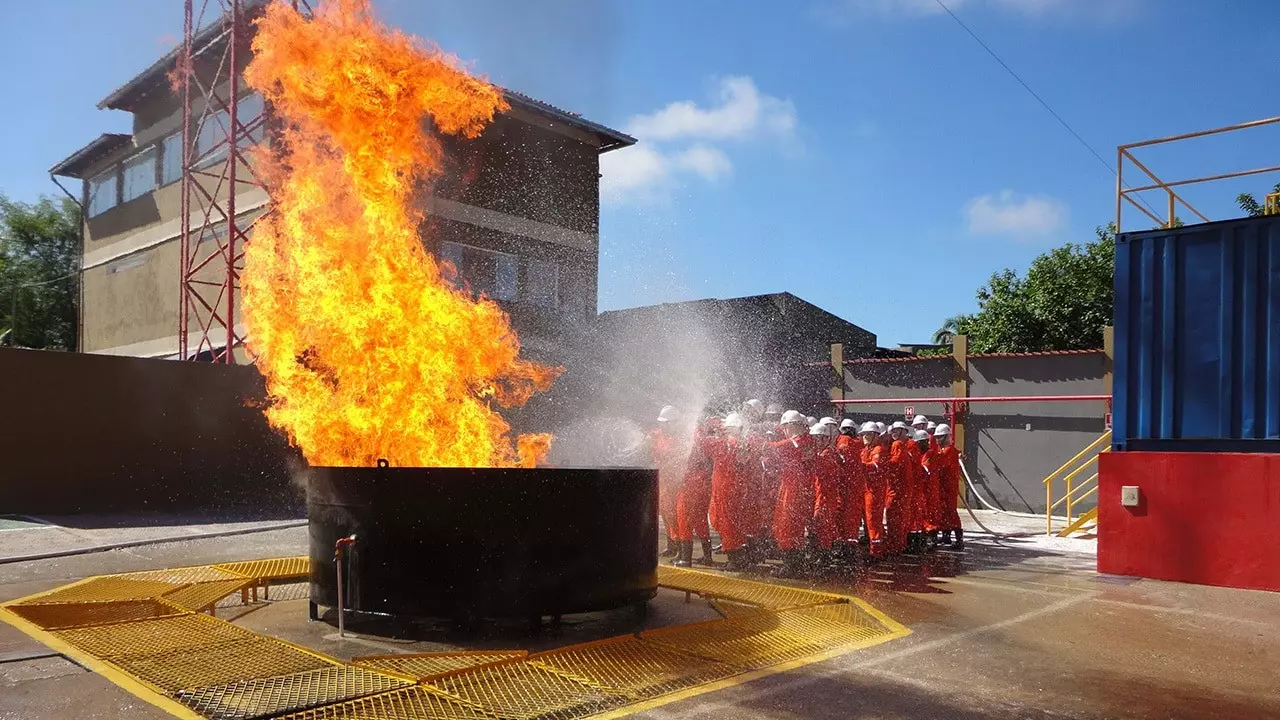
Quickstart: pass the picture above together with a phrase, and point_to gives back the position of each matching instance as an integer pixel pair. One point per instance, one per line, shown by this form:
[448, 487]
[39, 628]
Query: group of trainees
[776, 484]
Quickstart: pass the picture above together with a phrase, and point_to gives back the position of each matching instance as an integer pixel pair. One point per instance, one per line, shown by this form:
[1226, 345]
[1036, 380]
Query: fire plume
[367, 348]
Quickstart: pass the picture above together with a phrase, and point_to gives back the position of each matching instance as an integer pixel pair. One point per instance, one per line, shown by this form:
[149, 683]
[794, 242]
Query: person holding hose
[668, 452]
[944, 461]
[731, 460]
[827, 480]
[901, 481]
[852, 486]
[693, 501]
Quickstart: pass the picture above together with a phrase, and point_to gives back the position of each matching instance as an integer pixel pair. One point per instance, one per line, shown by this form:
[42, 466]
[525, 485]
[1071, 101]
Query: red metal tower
[216, 133]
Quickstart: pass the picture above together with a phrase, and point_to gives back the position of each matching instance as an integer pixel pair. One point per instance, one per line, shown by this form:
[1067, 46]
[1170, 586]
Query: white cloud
[743, 112]
[643, 173]
[1011, 214]
[707, 162]
[682, 140]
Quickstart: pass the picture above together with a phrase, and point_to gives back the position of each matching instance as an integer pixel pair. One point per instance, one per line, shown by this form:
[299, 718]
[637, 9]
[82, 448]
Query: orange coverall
[853, 503]
[693, 501]
[944, 462]
[669, 457]
[795, 491]
[729, 493]
[899, 498]
[930, 508]
[827, 481]
[875, 480]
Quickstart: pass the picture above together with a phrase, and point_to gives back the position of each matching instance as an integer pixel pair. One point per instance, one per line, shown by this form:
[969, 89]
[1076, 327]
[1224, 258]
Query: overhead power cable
[1036, 95]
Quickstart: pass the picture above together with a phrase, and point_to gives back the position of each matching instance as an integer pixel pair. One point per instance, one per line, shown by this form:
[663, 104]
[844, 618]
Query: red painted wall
[1208, 518]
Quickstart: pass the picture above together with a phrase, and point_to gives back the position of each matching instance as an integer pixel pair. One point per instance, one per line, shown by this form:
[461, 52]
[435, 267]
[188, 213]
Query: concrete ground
[1014, 627]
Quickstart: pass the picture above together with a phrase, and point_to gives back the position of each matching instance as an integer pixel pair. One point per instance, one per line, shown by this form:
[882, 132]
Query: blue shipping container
[1197, 348]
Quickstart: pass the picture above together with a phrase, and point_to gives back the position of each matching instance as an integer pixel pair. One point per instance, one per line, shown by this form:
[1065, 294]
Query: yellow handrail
[1104, 438]
[1088, 455]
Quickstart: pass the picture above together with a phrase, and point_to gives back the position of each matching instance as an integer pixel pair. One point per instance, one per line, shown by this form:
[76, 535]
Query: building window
[139, 174]
[103, 191]
[249, 110]
[486, 272]
[542, 283]
[171, 159]
[211, 138]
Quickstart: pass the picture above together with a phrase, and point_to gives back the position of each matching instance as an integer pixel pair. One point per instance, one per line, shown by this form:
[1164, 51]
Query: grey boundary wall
[1009, 447]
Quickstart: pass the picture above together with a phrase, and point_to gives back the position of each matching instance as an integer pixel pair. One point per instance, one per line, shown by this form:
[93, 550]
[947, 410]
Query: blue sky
[866, 155]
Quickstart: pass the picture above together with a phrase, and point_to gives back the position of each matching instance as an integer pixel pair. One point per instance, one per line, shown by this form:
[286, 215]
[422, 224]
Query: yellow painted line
[141, 690]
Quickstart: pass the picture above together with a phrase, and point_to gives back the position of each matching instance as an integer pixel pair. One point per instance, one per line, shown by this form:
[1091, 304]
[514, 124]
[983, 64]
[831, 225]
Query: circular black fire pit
[484, 542]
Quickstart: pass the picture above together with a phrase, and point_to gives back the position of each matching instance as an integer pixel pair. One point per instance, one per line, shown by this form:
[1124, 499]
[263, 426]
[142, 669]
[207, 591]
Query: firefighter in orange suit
[928, 507]
[852, 485]
[899, 498]
[693, 501]
[874, 472]
[668, 453]
[794, 510]
[944, 461]
[731, 457]
[827, 481]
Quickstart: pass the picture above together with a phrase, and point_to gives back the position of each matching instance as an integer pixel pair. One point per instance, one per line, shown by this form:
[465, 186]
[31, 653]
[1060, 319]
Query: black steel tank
[484, 542]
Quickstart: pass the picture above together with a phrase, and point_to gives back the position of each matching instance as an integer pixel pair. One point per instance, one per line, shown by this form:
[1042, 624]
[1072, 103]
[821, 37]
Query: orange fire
[367, 348]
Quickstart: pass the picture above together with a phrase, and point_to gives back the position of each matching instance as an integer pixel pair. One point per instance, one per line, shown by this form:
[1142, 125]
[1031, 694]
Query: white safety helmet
[868, 427]
[930, 426]
[791, 417]
[942, 429]
[773, 409]
[847, 423]
[668, 413]
[733, 420]
[919, 435]
[920, 420]
[899, 425]
[753, 409]
[828, 421]
[811, 419]
[881, 428]
[817, 429]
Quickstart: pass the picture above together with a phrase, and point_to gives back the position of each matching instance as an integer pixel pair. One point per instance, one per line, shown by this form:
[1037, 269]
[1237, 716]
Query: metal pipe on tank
[337, 561]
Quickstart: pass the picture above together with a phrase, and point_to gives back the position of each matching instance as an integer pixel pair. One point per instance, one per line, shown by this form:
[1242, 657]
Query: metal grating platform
[110, 588]
[426, 665]
[203, 595]
[632, 667]
[271, 696]
[414, 703]
[212, 665]
[274, 569]
[64, 616]
[523, 691]
[142, 631]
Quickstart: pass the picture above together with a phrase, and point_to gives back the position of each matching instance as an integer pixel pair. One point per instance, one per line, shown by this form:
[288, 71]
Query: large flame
[367, 349]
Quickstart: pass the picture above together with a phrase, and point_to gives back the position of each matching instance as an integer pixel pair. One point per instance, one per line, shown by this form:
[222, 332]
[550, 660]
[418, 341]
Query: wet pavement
[1014, 627]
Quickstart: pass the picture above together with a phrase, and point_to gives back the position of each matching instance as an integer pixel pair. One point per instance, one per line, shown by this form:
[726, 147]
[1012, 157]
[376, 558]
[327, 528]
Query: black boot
[959, 544]
[933, 541]
[706, 558]
[738, 560]
[673, 548]
[792, 564]
[685, 558]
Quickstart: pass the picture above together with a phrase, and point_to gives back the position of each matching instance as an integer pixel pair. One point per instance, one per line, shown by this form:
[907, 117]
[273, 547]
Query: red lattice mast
[213, 236]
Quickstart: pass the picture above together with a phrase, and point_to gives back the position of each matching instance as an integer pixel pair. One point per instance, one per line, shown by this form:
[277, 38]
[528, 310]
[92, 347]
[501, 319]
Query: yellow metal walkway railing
[1075, 490]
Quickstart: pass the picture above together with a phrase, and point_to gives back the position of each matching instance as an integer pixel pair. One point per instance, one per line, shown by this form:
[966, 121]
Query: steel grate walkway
[146, 632]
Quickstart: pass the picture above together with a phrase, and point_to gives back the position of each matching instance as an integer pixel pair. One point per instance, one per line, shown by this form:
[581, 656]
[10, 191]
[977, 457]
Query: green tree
[950, 328]
[1250, 205]
[39, 262]
[1062, 303]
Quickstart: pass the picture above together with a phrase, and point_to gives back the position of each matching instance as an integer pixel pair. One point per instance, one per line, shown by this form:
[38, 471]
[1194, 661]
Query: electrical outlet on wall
[1129, 495]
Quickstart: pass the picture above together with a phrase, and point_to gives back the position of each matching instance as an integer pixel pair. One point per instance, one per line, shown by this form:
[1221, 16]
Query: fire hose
[978, 495]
